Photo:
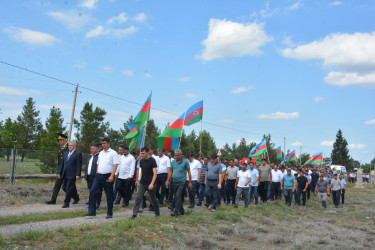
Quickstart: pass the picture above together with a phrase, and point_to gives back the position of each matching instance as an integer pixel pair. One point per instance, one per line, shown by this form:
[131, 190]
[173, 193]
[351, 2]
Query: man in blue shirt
[254, 181]
[213, 181]
[202, 184]
[288, 186]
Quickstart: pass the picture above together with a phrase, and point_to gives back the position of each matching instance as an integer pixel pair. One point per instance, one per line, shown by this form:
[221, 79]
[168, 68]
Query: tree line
[27, 132]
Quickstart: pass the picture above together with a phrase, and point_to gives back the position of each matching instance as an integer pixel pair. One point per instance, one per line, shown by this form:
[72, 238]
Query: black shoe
[108, 217]
[206, 205]
[75, 201]
[88, 214]
[87, 203]
[50, 202]
[116, 202]
[151, 209]
[125, 205]
[133, 217]
[199, 204]
[191, 206]
[174, 214]
[65, 206]
[170, 208]
[157, 215]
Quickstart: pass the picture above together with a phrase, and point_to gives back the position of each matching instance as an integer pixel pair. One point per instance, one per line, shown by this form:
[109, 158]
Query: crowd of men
[163, 179]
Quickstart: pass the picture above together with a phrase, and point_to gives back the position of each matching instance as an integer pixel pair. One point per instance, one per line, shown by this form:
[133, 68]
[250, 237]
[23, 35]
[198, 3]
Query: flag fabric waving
[326, 163]
[137, 141]
[279, 153]
[290, 157]
[315, 159]
[194, 114]
[259, 149]
[169, 139]
[142, 117]
[168, 143]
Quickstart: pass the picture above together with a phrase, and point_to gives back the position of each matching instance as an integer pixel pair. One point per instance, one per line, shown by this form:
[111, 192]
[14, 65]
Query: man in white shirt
[124, 174]
[196, 171]
[108, 160]
[276, 180]
[242, 184]
[164, 163]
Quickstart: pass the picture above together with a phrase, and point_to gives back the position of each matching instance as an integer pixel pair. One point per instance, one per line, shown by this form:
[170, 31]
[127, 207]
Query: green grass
[10, 220]
[20, 169]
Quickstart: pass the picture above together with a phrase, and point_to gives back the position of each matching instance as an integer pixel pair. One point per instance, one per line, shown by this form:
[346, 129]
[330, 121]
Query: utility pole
[300, 155]
[73, 109]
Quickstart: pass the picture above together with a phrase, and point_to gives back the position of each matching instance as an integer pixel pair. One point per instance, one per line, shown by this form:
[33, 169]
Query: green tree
[91, 128]
[270, 148]
[304, 157]
[116, 138]
[8, 135]
[243, 149]
[48, 142]
[29, 127]
[340, 152]
[152, 133]
[208, 144]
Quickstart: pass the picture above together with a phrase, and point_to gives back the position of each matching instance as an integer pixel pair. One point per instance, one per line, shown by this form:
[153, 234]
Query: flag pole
[144, 132]
[179, 144]
[200, 143]
[268, 157]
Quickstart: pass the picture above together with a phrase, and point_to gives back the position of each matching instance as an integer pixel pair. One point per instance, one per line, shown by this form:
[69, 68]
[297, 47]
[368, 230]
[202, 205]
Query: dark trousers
[298, 197]
[69, 187]
[308, 192]
[56, 189]
[90, 181]
[142, 188]
[211, 193]
[230, 191]
[263, 189]
[343, 196]
[202, 186]
[100, 182]
[336, 197]
[288, 194]
[124, 188]
[160, 187]
[192, 192]
[178, 193]
[275, 188]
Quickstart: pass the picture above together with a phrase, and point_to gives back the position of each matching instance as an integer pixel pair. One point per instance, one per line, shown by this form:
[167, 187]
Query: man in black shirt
[314, 180]
[149, 173]
[302, 186]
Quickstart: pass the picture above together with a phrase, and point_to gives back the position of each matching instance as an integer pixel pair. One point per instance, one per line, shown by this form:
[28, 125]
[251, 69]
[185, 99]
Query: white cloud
[31, 37]
[356, 146]
[288, 41]
[73, 20]
[128, 72]
[163, 115]
[226, 121]
[352, 54]
[241, 89]
[148, 75]
[107, 68]
[140, 17]
[4, 90]
[121, 18]
[80, 65]
[90, 4]
[335, 3]
[327, 143]
[109, 32]
[279, 115]
[184, 79]
[295, 6]
[227, 38]
[318, 99]
[297, 144]
[346, 79]
[266, 11]
[371, 122]
[118, 113]
[190, 95]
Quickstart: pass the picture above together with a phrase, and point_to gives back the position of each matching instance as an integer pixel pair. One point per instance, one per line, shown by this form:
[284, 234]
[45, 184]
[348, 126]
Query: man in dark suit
[70, 171]
[90, 170]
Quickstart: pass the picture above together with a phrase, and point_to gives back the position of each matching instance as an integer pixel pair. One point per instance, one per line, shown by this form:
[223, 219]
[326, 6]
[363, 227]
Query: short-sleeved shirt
[322, 186]
[288, 181]
[343, 183]
[254, 174]
[147, 167]
[179, 170]
[243, 178]
[336, 184]
[277, 176]
[302, 180]
[213, 171]
[232, 172]
[163, 164]
[203, 174]
[106, 160]
[264, 173]
[195, 165]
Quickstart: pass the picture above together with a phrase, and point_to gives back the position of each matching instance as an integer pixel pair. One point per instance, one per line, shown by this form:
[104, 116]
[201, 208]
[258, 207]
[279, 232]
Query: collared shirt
[203, 174]
[232, 172]
[276, 175]
[288, 181]
[163, 164]
[90, 164]
[195, 165]
[70, 153]
[214, 171]
[156, 159]
[179, 170]
[322, 186]
[264, 173]
[126, 168]
[254, 174]
[336, 184]
[343, 183]
[283, 173]
[106, 160]
[243, 178]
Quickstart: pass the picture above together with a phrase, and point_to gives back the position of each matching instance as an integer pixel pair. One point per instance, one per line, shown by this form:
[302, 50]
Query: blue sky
[299, 69]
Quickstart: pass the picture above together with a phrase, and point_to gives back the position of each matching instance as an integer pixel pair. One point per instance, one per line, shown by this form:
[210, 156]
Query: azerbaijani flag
[315, 159]
[259, 149]
[169, 139]
[141, 118]
[279, 153]
[326, 163]
[194, 114]
[290, 157]
[137, 140]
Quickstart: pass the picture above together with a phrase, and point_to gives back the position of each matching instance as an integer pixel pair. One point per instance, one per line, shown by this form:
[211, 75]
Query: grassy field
[267, 227]
[21, 168]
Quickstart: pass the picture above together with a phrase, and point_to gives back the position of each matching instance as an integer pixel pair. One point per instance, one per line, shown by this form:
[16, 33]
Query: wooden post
[200, 143]
[179, 144]
[12, 180]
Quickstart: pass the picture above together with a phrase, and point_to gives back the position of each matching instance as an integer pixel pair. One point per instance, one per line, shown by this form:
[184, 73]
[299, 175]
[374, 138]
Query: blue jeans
[253, 190]
[100, 182]
[211, 192]
[298, 200]
[202, 186]
[269, 191]
[192, 192]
